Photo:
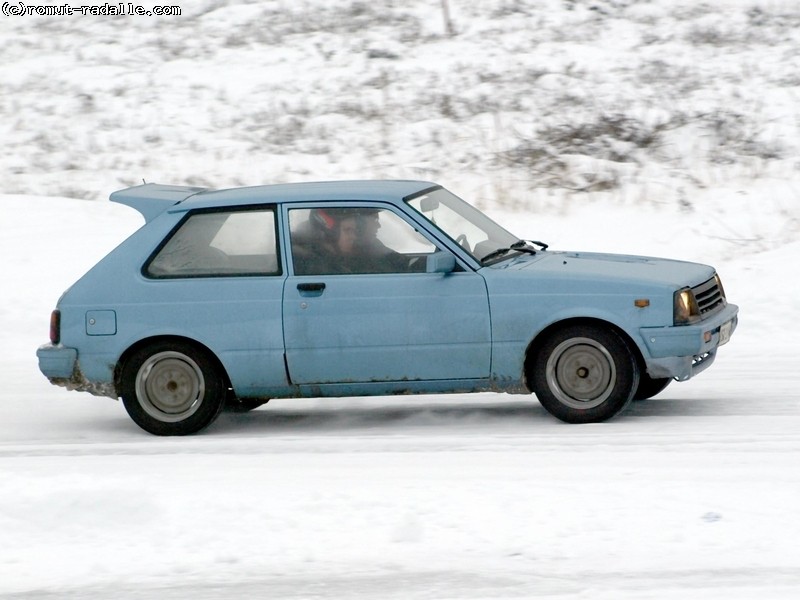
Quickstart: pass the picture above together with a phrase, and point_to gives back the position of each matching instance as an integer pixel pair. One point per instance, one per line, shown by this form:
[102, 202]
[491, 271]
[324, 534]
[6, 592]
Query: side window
[329, 241]
[220, 243]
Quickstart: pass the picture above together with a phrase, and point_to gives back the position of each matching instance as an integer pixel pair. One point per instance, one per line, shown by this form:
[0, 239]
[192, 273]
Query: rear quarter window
[218, 244]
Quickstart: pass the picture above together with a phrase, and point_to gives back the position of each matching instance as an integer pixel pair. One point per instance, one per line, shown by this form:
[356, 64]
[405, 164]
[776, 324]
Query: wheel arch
[168, 338]
[536, 342]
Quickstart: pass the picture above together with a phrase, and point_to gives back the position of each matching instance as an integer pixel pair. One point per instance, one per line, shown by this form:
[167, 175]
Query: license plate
[725, 332]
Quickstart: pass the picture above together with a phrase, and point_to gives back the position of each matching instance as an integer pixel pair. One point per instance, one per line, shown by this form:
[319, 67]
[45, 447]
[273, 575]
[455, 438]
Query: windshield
[465, 224]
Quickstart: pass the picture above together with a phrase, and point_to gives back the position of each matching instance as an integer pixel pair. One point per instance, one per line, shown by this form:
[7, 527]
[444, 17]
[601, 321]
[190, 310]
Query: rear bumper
[57, 362]
[60, 365]
[684, 351]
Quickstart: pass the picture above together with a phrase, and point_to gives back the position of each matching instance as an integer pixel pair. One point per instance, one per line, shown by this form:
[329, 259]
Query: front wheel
[584, 374]
[243, 405]
[649, 386]
[171, 388]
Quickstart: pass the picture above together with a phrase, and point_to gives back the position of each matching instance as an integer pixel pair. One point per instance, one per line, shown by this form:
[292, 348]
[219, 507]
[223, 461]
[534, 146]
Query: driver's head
[339, 227]
[368, 223]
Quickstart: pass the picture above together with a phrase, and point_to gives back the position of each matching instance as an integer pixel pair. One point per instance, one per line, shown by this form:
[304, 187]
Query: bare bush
[615, 138]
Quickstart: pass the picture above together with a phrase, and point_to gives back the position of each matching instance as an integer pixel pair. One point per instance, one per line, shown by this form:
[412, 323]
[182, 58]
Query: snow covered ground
[663, 127]
[691, 494]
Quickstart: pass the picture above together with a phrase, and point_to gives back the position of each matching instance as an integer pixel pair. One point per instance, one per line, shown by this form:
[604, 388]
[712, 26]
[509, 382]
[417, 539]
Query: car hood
[612, 268]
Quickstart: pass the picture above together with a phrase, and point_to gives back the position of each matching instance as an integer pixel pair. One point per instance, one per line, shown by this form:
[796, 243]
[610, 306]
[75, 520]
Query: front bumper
[683, 351]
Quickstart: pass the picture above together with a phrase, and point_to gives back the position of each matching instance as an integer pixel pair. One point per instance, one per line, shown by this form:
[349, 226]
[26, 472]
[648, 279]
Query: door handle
[311, 288]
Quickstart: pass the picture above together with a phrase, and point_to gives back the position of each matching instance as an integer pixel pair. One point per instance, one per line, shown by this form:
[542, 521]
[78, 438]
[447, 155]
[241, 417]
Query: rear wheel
[171, 388]
[584, 374]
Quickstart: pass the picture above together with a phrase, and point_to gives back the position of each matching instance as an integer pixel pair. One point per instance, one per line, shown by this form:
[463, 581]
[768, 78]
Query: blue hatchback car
[233, 297]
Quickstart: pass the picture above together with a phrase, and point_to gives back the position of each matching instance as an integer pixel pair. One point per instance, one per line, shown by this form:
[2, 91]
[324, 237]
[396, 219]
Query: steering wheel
[461, 240]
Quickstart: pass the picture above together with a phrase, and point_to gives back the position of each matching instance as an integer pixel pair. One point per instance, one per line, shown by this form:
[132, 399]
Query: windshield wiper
[519, 246]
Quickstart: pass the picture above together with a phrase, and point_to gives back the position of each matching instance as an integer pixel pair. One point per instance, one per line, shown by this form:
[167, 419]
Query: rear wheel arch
[158, 339]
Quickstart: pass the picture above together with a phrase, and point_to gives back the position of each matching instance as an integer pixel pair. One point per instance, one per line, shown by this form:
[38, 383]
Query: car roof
[152, 199]
[387, 190]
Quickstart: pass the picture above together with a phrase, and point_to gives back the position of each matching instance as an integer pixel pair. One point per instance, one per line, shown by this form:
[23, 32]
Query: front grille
[709, 296]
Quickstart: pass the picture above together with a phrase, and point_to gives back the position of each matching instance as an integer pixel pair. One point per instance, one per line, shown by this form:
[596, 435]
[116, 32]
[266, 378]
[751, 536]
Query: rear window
[217, 244]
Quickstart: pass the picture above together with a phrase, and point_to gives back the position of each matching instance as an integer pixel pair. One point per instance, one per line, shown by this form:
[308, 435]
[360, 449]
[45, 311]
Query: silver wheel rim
[170, 386]
[581, 373]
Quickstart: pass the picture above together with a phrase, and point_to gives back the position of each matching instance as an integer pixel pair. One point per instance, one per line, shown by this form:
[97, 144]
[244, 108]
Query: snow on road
[693, 494]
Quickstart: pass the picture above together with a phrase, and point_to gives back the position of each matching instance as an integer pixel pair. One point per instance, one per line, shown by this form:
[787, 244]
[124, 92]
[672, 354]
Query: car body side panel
[391, 327]
[518, 319]
[239, 320]
[533, 294]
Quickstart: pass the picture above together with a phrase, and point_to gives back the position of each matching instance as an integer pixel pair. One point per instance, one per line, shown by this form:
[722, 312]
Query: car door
[379, 316]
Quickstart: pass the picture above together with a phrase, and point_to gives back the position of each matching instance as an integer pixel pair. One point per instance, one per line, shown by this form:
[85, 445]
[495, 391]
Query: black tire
[171, 388]
[584, 374]
[243, 405]
[649, 387]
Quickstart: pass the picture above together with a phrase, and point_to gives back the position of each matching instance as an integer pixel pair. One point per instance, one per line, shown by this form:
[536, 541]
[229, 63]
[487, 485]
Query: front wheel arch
[530, 351]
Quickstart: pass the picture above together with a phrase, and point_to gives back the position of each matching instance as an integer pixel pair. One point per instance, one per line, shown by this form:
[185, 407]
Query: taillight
[55, 326]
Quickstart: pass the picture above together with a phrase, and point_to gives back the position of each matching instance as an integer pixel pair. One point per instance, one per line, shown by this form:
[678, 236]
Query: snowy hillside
[531, 104]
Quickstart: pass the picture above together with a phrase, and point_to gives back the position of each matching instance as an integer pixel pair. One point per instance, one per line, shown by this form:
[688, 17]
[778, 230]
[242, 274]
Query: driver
[344, 240]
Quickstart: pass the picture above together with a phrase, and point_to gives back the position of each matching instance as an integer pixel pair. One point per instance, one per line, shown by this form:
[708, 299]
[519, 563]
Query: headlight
[721, 289]
[685, 307]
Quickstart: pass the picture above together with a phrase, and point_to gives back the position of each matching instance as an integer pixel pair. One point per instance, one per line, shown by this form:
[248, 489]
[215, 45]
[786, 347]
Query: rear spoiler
[151, 199]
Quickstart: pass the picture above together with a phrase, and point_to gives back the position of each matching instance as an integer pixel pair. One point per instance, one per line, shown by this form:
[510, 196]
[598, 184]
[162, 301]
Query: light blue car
[362, 288]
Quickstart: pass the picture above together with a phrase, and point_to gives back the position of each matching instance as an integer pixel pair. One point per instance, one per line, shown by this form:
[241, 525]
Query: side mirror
[440, 262]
